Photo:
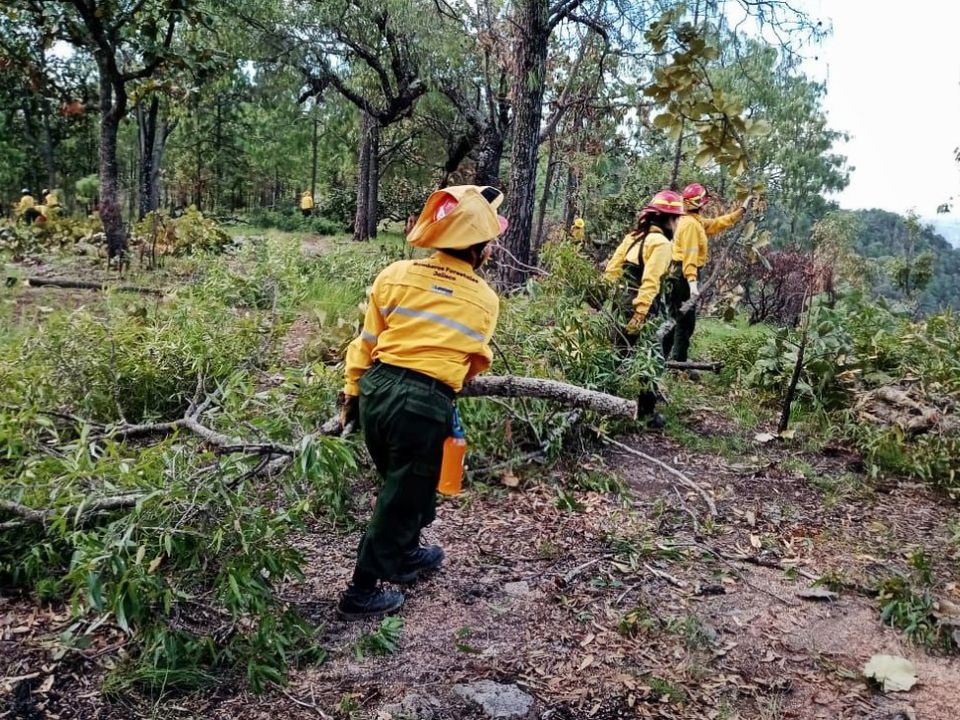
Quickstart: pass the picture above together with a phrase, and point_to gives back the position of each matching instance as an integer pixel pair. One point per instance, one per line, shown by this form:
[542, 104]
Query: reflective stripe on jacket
[435, 316]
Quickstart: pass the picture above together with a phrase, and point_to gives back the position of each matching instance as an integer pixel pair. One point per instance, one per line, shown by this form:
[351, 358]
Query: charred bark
[530, 63]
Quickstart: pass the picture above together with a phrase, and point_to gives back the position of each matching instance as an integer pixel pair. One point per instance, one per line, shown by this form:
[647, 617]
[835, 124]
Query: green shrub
[293, 221]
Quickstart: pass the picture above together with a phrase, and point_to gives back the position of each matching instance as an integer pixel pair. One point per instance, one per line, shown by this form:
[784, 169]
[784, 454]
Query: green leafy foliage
[385, 640]
[858, 348]
[186, 234]
[188, 567]
[907, 603]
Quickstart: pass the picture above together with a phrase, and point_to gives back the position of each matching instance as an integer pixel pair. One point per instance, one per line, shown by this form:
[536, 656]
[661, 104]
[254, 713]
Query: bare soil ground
[618, 609]
[627, 605]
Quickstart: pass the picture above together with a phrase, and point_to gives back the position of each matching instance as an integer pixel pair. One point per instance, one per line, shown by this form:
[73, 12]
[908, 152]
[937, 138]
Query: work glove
[746, 203]
[694, 290]
[349, 407]
[636, 322]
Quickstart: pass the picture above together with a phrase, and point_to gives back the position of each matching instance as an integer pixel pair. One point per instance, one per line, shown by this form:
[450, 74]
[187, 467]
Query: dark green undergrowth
[190, 565]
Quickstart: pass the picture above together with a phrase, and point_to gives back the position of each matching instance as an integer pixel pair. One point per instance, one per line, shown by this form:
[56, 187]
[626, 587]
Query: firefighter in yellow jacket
[577, 230]
[306, 203]
[26, 209]
[638, 266]
[426, 332]
[690, 255]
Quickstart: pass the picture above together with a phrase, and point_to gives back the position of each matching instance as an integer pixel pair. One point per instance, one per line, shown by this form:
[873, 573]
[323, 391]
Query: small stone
[497, 700]
[520, 588]
[422, 707]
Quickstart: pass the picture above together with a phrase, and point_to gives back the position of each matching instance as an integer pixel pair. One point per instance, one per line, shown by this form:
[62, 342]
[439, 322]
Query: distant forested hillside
[883, 236]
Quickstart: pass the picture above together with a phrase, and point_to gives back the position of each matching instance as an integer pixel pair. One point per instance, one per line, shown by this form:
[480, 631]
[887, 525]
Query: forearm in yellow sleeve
[359, 356]
[653, 270]
[712, 226]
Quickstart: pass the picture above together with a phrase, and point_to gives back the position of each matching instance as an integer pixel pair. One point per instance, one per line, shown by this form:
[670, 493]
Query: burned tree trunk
[361, 222]
[373, 179]
[530, 67]
[489, 154]
[113, 102]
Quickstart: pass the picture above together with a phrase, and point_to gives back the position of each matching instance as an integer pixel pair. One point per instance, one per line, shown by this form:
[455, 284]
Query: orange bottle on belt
[454, 451]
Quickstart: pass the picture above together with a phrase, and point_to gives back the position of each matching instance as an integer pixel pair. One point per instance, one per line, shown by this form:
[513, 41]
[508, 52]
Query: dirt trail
[609, 611]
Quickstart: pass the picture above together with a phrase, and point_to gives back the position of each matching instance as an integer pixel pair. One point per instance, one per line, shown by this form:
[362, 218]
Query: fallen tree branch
[33, 516]
[571, 395]
[83, 285]
[707, 366]
[687, 482]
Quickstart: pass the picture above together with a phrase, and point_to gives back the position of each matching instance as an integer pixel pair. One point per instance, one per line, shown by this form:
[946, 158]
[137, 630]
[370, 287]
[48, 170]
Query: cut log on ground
[569, 395]
[70, 283]
[512, 386]
[706, 366]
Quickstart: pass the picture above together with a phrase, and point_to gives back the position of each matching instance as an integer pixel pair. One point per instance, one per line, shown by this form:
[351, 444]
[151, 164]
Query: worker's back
[438, 316]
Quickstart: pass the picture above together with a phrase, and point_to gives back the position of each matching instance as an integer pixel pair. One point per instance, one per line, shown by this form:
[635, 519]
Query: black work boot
[656, 421]
[359, 603]
[417, 563]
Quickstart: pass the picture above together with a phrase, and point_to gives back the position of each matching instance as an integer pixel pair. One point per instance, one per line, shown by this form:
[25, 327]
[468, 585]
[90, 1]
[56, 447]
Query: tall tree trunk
[572, 189]
[156, 162]
[112, 109]
[31, 136]
[373, 188]
[147, 123]
[545, 196]
[313, 164]
[49, 159]
[218, 154]
[361, 221]
[489, 153]
[530, 63]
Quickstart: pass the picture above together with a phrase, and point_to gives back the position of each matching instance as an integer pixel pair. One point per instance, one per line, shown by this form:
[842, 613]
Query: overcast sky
[893, 77]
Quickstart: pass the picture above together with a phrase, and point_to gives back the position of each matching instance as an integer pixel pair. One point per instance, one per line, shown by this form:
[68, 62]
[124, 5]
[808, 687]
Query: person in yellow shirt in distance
[26, 209]
[426, 332]
[577, 230]
[690, 254]
[637, 266]
[306, 203]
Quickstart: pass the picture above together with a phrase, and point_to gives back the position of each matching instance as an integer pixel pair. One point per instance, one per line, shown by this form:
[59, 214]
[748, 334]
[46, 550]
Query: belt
[415, 377]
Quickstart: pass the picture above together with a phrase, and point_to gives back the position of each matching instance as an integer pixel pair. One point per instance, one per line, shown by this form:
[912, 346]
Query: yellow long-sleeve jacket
[26, 202]
[51, 200]
[435, 316]
[655, 259]
[306, 201]
[690, 246]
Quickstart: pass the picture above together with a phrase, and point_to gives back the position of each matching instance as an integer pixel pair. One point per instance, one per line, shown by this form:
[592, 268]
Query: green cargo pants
[405, 417]
[676, 345]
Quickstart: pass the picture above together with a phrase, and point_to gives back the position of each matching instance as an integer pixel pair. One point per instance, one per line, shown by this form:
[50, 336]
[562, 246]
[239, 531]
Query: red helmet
[695, 196]
[667, 202]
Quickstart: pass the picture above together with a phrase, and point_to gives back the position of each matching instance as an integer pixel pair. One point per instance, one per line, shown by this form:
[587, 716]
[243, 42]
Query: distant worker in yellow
[577, 230]
[50, 198]
[638, 266]
[26, 209]
[306, 203]
[427, 331]
[690, 254]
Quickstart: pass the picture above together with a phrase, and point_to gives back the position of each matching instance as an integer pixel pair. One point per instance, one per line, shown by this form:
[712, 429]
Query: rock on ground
[497, 700]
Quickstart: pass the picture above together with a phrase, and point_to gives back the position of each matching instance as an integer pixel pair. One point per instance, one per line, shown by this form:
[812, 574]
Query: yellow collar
[454, 263]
